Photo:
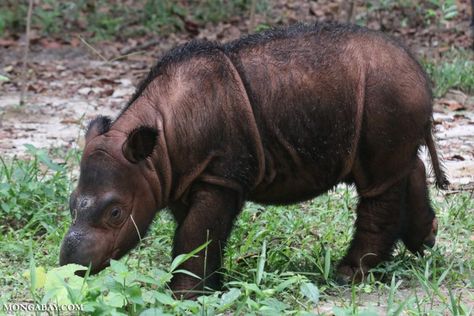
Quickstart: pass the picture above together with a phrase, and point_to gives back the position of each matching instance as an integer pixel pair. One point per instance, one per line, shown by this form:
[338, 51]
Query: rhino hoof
[347, 274]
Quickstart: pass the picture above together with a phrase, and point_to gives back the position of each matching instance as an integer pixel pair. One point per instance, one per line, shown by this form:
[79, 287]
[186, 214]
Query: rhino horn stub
[98, 126]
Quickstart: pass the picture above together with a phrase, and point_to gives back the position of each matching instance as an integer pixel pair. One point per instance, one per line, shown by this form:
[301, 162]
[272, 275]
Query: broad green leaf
[115, 299]
[39, 277]
[165, 299]
[251, 303]
[6, 207]
[275, 304]
[118, 266]
[253, 287]
[134, 294]
[228, 298]
[286, 284]
[149, 280]
[339, 311]
[310, 291]
[110, 282]
[69, 270]
[162, 276]
[192, 307]
[61, 283]
[148, 297]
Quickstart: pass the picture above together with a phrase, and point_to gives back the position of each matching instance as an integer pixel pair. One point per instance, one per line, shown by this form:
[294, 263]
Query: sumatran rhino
[275, 118]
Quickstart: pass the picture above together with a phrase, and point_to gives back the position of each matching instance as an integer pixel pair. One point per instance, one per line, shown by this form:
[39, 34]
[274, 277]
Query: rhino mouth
[104, 264]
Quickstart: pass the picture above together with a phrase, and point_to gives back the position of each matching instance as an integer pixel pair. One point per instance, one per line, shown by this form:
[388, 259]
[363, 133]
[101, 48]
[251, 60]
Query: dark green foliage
[115, 19]
[454, 71]
[33, 194]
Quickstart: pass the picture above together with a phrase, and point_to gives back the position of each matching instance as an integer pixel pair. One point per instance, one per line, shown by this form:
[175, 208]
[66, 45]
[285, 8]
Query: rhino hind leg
[378, 227]
[420, 224]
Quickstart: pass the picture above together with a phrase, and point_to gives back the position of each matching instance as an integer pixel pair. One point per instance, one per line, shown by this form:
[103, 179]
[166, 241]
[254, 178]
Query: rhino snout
[83, 249]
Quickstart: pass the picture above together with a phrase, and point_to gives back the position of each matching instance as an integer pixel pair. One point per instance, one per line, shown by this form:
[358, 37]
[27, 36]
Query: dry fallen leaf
[452, 105]
[75, 42]
[7, 42]
[107, 81]
[70, 121]
[47, 43]
[457, 157]
[8, 68]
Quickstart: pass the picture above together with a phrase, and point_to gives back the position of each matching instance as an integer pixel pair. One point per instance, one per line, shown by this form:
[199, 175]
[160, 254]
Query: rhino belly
[292, 177]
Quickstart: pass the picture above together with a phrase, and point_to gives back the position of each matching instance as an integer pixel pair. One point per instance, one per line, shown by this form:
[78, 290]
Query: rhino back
[311, 88]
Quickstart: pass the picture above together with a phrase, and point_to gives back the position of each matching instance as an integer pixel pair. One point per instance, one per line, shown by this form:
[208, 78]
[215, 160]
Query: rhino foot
[347, 274]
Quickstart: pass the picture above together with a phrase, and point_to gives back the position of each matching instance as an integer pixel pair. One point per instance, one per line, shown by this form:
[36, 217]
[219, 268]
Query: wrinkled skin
[103, 205]
[275, 118]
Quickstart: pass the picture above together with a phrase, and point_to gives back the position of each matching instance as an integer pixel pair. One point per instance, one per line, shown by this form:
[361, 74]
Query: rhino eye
[115, 216]
[115, 213]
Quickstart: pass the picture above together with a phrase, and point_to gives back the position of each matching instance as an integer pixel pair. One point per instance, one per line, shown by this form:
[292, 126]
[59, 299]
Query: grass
[453, 71]
[280, 260]
[118, 19]
[123, 19]
[432, 11]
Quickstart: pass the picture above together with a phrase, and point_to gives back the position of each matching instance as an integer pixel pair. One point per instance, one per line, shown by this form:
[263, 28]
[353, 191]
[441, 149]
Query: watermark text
[30, 307]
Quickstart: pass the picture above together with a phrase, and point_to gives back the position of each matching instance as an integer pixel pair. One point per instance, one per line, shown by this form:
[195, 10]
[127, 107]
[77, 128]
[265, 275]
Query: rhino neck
[157, 168]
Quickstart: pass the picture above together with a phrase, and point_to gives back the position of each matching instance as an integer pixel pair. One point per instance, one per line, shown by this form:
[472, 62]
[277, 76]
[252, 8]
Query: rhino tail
[441, 179]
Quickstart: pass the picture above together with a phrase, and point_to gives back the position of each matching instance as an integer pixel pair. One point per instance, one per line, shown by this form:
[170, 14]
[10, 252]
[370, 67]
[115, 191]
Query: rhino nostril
[73, 239]
[71, 247]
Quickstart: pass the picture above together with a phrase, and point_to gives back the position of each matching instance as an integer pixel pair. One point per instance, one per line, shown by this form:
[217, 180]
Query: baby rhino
[276, 118]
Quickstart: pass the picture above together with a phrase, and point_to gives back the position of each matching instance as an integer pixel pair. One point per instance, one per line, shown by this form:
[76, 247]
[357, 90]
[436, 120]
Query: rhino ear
[139, 144]
[98, 126]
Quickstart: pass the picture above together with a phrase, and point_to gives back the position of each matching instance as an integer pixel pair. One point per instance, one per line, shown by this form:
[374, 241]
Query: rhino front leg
[420, 225]
[377, 229]
[209, 217]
